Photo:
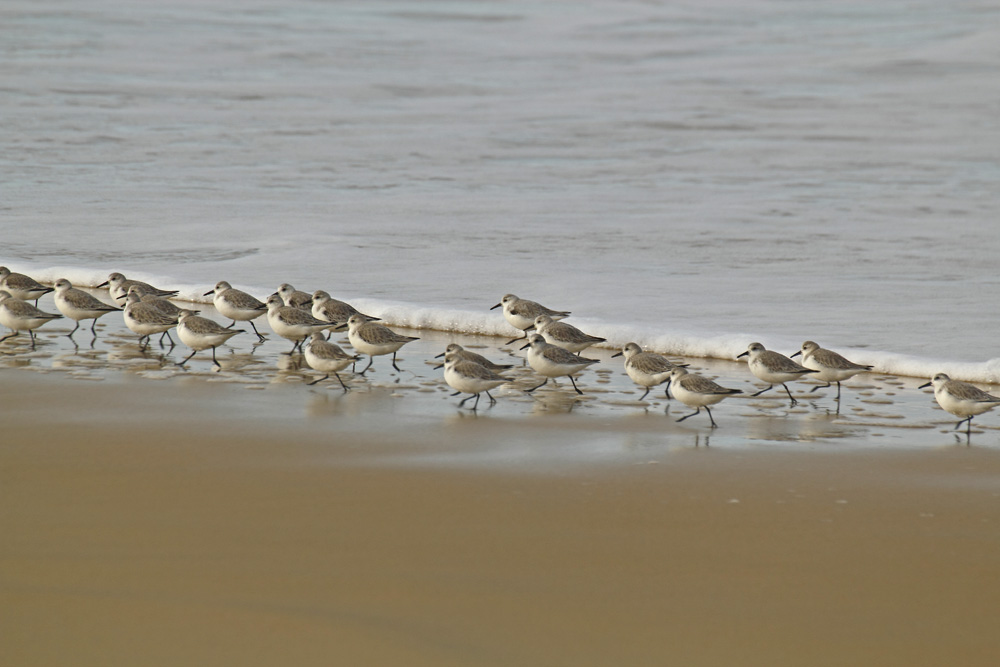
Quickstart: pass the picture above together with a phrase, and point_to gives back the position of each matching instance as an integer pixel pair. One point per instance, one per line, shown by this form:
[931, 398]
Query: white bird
[146, 319]
[468, 377]
[521, 313]
[374, 339]
[325, 307]
[697, 392]
[552, 362]
[647, 369]
[138, 293]
[19, 315]
[773, 368]
[201, 333]
[21, 286]
[563, 335]
[79, 305]
[328, 358]
[462, 353]
[961, 399]
[118, 285]
[294, 298]
[292, 323]
[830, 366]
[237, 305]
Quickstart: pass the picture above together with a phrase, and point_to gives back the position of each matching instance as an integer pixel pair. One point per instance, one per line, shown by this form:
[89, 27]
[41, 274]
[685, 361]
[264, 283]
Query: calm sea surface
[694, 176]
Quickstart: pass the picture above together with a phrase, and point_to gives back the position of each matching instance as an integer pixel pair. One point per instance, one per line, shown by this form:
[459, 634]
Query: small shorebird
[830, 366]
[374, 339]
[118, 286]
[201, 333]
[294, 298]
[237, 306]
[552, 362]
[697, 392]
[292, 323]
[79, 305]
[328, 358]
[563, 335]
[21, 286]
[647, 369]
[161, 303]
[468, 377]
[462, 353]
[773, 368]
[138, 293]
[521, 313]
[146, 319]
[19, 315]
[325, 307]
[961, 399]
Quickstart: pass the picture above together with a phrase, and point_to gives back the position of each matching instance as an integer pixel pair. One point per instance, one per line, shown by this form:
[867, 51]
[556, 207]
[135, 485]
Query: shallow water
[549, 430]
[690, 176]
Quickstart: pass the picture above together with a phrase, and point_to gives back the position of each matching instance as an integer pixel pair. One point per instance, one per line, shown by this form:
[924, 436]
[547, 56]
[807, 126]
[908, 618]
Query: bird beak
[211, 291]
[617, 355]
[526, 346]
[742, 355]
[496, 306]
[796, 354]
[104, 284]
[924, 386]
[438, 366]
[438, 356]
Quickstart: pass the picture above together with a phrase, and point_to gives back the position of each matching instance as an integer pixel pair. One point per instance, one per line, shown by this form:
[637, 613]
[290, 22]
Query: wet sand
[160, 516]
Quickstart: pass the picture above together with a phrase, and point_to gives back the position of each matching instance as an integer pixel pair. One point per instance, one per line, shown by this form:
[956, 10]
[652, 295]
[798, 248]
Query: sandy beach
[161, 516]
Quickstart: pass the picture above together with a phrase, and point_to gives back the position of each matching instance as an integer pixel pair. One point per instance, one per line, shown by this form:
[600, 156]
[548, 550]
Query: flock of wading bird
[552, 349]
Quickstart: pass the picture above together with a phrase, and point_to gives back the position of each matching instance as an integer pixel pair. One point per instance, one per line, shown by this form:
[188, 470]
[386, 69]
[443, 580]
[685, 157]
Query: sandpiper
[961, 399]
[237, 305]
[468, 377]
[773, 368]
[697, 392]
[472, 356]
[292, 323]
[374, 339]
[79, 305]
[563, 335]
[327, 358]
[521, 313]
[830, 367]
[21, 286]
[552, 362]
[118, 286]
[647, 369]
[201, 333]
[19, 315]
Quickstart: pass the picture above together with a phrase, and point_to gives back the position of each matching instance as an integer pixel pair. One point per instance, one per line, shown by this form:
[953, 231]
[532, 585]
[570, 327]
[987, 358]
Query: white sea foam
[668, 339]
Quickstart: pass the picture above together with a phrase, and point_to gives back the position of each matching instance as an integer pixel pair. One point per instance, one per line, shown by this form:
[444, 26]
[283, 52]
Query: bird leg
[528, 391]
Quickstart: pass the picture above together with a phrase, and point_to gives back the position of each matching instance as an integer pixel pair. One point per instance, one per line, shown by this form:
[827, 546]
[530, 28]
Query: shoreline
[876, 409]
[704, 346]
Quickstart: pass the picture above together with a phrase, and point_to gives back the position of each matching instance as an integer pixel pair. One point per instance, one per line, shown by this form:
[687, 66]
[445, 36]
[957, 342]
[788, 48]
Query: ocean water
[693, 176]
